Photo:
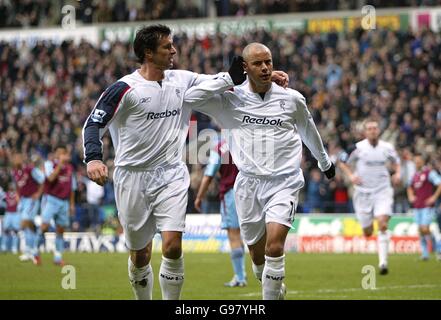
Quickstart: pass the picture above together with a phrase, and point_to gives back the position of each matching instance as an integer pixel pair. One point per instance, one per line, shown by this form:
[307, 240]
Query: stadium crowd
[28, 13]
[47, 91]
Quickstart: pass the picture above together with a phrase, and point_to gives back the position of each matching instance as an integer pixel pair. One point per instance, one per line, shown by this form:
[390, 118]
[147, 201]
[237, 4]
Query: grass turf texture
[308, 276]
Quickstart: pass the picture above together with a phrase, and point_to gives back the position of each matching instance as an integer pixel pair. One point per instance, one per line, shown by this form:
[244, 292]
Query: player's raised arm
[198, 95]
[277, 76]
[96, 125]
[311, 137]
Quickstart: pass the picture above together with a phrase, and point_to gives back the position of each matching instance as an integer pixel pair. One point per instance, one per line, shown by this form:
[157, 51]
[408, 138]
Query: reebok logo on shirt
[275, 122]
[166, 114]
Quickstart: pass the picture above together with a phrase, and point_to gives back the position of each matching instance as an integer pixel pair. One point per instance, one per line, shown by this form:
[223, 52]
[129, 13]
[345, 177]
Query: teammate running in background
[11, 221]
[373, 193]
[266, 125]
[220, 160]
[29, 179]
[59, 199]
[423, 192]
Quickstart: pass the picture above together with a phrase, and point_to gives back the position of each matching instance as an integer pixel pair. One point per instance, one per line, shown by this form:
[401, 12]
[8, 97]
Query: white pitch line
[412, 286]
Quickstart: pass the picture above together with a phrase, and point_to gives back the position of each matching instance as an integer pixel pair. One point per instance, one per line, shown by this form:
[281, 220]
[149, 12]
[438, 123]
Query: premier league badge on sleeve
[98, 115]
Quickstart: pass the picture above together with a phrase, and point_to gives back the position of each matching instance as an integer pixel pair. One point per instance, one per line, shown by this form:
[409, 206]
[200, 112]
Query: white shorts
[260, 200]
[150, 201]
[371, 205]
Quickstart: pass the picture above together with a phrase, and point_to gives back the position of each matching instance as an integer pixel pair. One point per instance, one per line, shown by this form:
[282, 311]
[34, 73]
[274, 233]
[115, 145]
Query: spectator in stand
[46, 90]
[316, 191]
[31, 13]
[340, 195]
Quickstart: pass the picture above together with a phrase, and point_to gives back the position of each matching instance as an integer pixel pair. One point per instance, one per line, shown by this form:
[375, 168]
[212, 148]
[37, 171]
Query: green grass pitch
[308, 276]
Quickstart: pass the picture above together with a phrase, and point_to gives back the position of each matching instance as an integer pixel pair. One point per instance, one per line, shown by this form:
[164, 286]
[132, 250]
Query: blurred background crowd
[48, 90]
[28, 13]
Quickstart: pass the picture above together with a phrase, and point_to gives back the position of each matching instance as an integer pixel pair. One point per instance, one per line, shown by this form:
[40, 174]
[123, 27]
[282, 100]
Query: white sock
[141, 280]
[171, 278]
[272, 277]
[383, 247]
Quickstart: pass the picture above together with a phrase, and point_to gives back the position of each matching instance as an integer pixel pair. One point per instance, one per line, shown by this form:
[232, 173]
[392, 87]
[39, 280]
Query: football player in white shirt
[143, 112]
[373, 193]
[266, 125]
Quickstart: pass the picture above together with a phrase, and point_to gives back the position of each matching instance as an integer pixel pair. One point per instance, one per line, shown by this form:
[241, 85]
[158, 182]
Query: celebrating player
[373, 193]
[267, 125]
[148, 126]
[58, 203]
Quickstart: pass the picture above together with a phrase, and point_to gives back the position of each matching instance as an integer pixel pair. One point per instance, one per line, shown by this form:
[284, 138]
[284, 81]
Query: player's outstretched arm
[277, 76]
[200, 94]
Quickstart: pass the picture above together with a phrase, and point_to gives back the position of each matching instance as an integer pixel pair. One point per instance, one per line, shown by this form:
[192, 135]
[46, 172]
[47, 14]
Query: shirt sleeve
[309, 133]
[393, 155]
[100, 118]
[434, 178]
[38, 175]
[343, 156]
[197, 96]
[214, 163]
[206, 97]
[353, 157]
[200, 78]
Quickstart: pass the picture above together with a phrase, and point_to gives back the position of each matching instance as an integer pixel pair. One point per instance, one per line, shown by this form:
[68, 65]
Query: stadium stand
[48, 89]
[27, 13]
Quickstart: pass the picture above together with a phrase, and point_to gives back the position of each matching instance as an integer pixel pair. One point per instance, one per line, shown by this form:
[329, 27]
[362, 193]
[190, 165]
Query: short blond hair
[369, 120]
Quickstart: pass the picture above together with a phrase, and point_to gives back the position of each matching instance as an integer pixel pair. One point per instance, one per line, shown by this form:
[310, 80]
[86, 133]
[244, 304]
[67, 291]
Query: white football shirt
[145, 119]
[371, 164]
[265, 134]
